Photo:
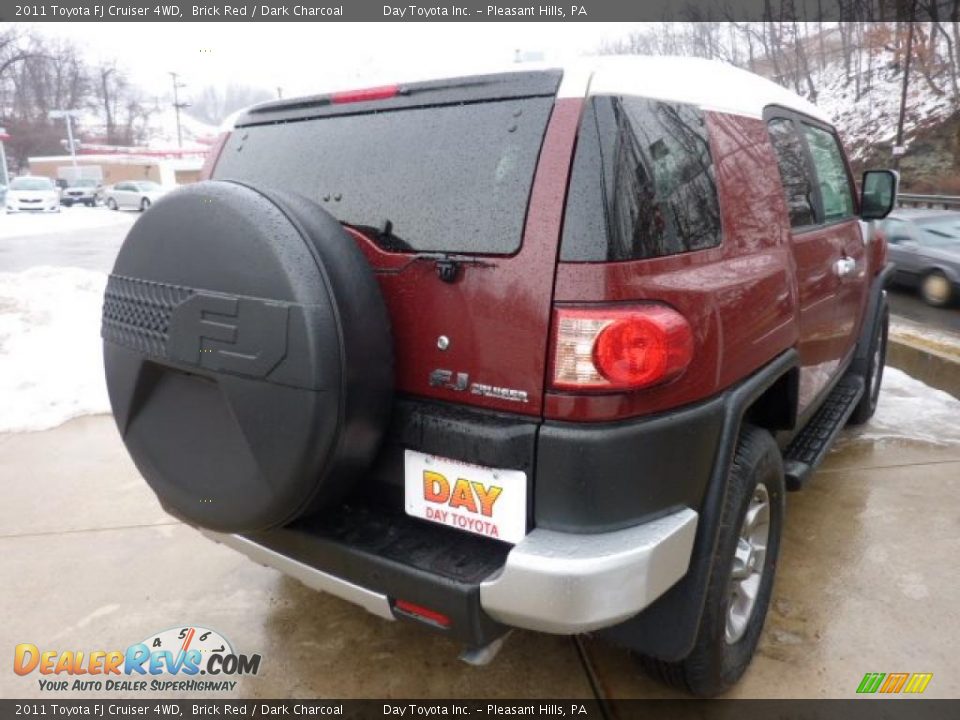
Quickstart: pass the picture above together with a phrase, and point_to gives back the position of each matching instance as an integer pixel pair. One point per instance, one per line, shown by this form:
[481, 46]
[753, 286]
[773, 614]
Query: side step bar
[807, 450]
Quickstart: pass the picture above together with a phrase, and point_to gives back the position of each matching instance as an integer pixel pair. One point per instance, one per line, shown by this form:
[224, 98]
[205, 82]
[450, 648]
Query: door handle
[844, 266]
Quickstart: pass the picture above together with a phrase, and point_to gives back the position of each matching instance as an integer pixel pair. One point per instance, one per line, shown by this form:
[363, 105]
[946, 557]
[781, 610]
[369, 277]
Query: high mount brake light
[619, 348]
[374, 93]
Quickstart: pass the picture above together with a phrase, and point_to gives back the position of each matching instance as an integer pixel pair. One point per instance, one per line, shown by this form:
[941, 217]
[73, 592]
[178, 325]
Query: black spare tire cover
[247, 354]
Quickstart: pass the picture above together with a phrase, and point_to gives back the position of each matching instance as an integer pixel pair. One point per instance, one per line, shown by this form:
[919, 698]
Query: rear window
[452, 178]
[643, 183]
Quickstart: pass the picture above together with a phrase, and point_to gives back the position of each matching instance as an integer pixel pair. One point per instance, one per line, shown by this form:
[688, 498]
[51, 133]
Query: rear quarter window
[643, 183]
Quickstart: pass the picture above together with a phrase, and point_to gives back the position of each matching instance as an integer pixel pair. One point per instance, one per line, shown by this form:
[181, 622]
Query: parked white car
[32, 193]
[134, 194]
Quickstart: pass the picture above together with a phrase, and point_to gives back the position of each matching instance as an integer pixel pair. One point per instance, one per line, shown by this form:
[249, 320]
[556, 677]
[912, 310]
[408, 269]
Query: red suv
[540, 349]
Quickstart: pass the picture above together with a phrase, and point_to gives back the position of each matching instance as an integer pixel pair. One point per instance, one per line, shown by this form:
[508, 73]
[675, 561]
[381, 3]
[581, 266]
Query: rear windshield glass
[453, 178]
[31, 183]
[643, 183]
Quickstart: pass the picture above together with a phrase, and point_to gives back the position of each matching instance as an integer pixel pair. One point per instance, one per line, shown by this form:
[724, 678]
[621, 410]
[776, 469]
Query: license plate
[478, 499]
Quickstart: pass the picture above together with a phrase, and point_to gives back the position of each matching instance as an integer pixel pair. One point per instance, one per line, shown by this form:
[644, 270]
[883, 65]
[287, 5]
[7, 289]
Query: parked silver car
[134, 194]
[925, 247]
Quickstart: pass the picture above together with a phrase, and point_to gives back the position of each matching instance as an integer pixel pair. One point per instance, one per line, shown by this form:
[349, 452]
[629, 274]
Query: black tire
[716, 664]
[248, 356]
[144, 205]
[67, 203]
[877, 360]
[936, 290]
[91, 203]
[112, 204]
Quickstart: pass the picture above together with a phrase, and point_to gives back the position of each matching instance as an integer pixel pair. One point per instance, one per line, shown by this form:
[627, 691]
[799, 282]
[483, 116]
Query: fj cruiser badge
[461, 381]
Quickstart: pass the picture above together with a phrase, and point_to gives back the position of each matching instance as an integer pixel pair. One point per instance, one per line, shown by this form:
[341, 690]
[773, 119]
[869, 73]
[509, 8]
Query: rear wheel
[144, 204]
[741, 575]
[935, 289]
[112, 204]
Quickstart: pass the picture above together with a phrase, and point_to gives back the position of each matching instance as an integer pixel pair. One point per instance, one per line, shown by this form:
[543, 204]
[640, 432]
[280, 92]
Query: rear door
[837, 215]
[454, 191]
[815, 253]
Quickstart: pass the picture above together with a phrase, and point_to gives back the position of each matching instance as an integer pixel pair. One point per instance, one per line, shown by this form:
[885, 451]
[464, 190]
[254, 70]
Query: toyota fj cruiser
[540, 349]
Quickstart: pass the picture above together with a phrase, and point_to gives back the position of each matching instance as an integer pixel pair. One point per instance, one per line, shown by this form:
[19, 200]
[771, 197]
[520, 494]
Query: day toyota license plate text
[481, 500]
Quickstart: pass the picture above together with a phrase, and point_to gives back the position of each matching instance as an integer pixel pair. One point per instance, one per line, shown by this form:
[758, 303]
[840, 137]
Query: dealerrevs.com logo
[166, 661]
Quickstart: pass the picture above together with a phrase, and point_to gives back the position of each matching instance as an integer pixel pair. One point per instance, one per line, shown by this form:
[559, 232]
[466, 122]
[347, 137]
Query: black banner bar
[466, 10]
[855, 709]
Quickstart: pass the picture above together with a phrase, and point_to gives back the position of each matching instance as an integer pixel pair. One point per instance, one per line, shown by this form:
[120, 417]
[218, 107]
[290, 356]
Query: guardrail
[940, 202]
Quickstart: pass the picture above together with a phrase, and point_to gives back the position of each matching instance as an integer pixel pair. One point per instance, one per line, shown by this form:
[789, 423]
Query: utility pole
[177, 105]
[67, 115]
[279, 92]
[898, 148]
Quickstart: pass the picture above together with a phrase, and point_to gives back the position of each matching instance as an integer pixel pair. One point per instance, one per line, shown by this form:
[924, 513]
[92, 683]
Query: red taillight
[619, 348]
[421, 613]
[375, 93]
[210, 162]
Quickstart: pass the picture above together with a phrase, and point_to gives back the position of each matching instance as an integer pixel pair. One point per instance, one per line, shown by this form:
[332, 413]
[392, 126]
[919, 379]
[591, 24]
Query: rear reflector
[619, 348]
[375, 93]
[421, 613]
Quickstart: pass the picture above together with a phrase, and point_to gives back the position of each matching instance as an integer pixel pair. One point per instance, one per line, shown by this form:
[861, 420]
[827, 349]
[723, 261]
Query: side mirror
[878, 195]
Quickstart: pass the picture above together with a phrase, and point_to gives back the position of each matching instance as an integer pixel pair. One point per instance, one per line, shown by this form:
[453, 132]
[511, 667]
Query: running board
[808, 449]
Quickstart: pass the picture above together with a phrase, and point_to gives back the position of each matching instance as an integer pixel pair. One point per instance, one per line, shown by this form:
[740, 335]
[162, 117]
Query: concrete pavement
[88, 560]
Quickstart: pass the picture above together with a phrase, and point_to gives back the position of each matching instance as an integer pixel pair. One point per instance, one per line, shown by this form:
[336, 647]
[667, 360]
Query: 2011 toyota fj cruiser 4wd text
[541, 349]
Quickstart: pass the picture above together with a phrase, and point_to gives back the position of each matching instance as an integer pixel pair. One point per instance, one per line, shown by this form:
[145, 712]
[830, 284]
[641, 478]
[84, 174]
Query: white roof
[709, 84]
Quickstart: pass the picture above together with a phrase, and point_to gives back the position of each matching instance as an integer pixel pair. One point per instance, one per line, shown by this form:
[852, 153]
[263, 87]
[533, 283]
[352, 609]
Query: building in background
[111, 168]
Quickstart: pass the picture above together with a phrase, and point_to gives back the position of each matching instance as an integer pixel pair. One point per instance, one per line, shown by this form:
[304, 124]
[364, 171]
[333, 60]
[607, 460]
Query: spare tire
[248, 355]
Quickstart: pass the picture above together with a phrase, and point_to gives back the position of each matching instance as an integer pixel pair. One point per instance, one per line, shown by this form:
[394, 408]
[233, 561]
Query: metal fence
[939, 202]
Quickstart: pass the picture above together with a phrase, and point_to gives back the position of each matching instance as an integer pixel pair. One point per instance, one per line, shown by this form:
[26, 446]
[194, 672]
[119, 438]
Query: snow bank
[909, 409]
[51, 364]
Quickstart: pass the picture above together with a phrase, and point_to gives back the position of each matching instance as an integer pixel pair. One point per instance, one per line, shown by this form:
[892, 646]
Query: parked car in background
[32, 193]
[133, 194]
[84, 191]
[925, 247]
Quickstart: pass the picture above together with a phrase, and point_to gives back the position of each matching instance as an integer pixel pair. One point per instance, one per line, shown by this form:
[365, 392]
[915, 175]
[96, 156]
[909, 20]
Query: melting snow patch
[909, 409]
[51, 363]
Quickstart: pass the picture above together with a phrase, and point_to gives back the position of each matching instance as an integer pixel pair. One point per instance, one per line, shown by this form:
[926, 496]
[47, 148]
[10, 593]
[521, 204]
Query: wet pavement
[88, 560]
[906, 303]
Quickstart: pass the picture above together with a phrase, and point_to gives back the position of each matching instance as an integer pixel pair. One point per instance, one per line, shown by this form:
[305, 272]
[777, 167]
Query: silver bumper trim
[568, 583]
[311, 577]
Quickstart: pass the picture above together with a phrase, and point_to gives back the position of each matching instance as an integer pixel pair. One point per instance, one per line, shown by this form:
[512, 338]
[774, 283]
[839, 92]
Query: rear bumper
[569, 583]
[553, 582]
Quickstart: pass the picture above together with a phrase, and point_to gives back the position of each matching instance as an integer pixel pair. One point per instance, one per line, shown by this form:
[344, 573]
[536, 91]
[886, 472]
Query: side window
[642, 183]
[797, 184]
[831, 173]
[123, 186]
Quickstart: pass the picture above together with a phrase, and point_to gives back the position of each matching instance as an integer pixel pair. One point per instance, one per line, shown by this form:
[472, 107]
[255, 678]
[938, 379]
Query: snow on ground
[910, 410]
[51, 363]
[871, 119]
[73, 218]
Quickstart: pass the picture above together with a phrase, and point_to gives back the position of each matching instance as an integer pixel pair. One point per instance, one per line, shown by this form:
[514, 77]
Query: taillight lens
[619, 348]
[210, 162]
